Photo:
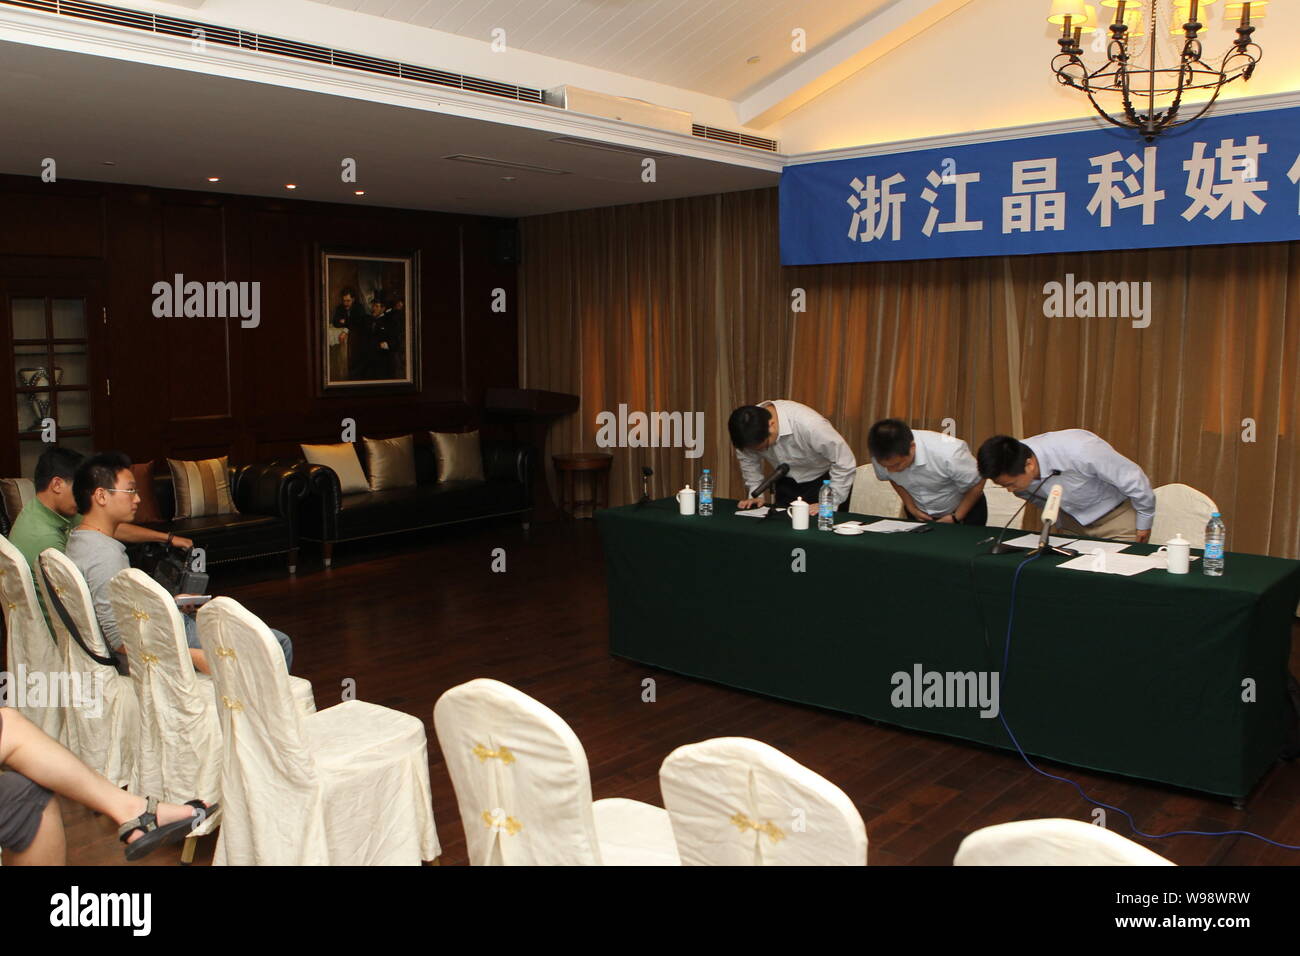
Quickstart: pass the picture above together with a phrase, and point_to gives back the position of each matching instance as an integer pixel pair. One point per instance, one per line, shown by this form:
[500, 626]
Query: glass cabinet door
[51, 375]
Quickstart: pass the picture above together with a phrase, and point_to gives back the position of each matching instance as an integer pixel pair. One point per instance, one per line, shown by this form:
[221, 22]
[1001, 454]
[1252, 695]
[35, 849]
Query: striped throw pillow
[202, 488]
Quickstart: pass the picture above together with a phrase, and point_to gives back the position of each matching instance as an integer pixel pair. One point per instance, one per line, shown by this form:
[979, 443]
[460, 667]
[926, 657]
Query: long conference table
[1179, 679]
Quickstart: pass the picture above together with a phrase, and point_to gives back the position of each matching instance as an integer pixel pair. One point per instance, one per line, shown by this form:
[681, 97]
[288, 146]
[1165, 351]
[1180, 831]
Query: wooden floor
[409, 616]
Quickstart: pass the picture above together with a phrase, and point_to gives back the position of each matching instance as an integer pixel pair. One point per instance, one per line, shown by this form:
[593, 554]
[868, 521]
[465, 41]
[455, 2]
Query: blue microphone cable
[1006, 657]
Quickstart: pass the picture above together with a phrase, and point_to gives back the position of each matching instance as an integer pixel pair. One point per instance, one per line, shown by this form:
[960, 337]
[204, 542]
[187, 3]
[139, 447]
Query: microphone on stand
[646, 473]
[1051, 511]
[998, 546]
[777, 474]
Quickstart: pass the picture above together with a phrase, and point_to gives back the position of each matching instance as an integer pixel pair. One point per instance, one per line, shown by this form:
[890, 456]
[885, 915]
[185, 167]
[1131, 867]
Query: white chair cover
[104, 731]
[348, 786]
[738, 802]
[1181, 509]
[29, 647]
[179, 753]
[524, 790]
[871, 496]
[1052, 843]
[1002, 506]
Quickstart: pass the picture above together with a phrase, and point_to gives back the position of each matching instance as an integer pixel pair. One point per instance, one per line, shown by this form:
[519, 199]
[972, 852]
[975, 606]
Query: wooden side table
[595, 465]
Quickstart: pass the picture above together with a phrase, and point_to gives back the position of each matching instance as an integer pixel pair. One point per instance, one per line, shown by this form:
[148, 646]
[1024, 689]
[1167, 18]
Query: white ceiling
[174, 128]
[699, 45]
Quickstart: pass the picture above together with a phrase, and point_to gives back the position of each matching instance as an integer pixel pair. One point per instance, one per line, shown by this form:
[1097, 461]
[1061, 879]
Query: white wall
[987, 66]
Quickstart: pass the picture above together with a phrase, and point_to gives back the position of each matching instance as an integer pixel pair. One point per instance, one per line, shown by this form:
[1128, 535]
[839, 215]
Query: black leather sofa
[329, 516]
[269, 498]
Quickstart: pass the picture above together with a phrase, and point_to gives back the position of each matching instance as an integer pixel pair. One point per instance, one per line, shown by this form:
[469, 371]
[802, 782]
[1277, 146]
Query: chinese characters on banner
[1233, 178]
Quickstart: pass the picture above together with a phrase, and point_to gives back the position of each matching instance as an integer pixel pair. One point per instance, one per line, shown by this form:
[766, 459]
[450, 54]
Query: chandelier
[1150, 95]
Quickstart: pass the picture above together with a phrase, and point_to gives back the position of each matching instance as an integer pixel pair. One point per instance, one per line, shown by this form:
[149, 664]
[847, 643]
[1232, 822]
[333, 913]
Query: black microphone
[998, 546]
[777, 474]
[646, 473]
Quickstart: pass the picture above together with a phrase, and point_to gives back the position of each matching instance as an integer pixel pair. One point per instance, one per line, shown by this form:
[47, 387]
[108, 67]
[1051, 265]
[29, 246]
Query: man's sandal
[155, 835]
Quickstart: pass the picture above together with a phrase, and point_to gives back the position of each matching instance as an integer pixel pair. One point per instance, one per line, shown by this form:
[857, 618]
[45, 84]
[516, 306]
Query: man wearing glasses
[48, 519]
[105, 493]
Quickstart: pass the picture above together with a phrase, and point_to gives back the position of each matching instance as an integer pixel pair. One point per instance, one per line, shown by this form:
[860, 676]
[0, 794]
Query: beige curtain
[684, 306]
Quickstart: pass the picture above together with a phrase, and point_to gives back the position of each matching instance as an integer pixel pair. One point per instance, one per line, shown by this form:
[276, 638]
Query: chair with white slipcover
[1181, 509]
[346, 786]
[30, 648]
[524, 790]
[871, 496]
[104, 729]
[1002, 506]
[179, 753]
[1052, 842]
[734, 801]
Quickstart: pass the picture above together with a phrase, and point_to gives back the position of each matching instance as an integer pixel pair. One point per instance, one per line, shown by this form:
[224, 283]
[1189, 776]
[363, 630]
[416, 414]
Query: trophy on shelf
[40, 401]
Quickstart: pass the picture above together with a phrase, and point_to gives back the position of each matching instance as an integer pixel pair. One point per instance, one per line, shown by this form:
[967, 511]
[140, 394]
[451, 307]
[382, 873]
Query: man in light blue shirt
[934, 474]
[1104, 494]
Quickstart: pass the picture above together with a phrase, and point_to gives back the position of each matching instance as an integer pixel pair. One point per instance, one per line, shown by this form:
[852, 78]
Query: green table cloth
[1179, 679]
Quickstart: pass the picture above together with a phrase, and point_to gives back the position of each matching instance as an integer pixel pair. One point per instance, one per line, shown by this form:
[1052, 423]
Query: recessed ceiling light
[360, 192]
[109, 164]
[290, 186]
[507, 179]
[214, 179]
[752, 60]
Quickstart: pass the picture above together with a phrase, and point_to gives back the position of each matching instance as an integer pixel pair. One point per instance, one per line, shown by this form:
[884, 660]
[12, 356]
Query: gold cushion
[459, 457]
[202, 488]
[392, 462]
[343, 459]
[16, 492]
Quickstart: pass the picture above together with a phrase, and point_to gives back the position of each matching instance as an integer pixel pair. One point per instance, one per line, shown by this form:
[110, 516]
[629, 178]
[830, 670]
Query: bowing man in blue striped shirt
[1104, 494]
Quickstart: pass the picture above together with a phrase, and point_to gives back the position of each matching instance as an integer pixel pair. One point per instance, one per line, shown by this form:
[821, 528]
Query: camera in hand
[170, 566]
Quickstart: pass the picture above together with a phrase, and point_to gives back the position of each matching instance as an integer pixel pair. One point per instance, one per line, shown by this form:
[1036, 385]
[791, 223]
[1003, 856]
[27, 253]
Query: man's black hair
[56, 463]
[1002, 455]
[749, 425]
[889, 438]
[98, 471]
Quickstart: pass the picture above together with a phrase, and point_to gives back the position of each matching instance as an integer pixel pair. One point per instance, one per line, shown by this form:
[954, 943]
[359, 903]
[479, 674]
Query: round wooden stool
[597, 465]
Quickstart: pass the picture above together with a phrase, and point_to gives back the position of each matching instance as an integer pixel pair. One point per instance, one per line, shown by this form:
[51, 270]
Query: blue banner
[1230, 178]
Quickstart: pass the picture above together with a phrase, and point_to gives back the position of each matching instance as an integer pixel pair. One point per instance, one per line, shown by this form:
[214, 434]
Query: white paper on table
[753, 512]
[1114, 563]
[890, 526]
[1031, 541]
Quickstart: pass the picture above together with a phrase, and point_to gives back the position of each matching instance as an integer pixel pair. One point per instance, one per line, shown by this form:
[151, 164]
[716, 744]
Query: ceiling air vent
[273, 46]
[736, 139]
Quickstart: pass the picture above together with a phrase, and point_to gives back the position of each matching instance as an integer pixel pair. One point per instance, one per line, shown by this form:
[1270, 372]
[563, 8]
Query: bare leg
[26, 748]
[50, 848]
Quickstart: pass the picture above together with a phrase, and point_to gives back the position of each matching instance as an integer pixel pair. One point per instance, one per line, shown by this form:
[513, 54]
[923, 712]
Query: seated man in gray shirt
[104, 489]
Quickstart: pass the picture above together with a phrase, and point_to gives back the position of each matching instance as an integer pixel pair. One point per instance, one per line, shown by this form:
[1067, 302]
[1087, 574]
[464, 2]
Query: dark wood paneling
[189, 387]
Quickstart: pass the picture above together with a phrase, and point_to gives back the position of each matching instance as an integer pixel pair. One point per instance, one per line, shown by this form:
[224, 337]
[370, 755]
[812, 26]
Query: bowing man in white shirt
[1104, 495]
[934, 474]
[785, 432]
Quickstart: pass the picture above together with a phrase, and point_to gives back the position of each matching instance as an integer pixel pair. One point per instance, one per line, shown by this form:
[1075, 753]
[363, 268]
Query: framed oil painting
[369, 321]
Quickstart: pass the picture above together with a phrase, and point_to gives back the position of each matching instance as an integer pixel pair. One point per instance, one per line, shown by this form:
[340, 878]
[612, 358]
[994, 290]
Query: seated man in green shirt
[47, 520]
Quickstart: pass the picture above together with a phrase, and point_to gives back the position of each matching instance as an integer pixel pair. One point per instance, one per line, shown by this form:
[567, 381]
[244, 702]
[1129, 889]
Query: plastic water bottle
[1216, 534]
[825, 507]
[706, 493]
